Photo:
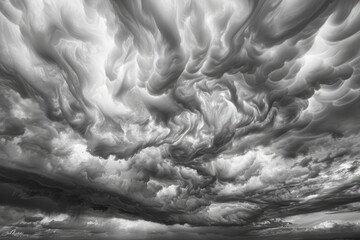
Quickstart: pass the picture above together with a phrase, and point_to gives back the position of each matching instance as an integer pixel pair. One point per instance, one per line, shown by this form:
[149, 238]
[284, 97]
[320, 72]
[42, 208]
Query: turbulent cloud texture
[194, 118]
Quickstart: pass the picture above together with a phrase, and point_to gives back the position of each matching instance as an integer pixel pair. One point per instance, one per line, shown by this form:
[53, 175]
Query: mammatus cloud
[196, 118]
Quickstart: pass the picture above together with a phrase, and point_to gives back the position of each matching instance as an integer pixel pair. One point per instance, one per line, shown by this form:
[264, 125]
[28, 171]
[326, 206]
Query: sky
[165, 119]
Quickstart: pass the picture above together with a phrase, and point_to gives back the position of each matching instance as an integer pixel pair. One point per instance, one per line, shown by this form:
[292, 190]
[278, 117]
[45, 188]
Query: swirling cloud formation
[193, 113]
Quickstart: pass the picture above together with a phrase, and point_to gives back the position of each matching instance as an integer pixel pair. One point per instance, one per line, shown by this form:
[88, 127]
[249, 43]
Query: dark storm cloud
[207, 113]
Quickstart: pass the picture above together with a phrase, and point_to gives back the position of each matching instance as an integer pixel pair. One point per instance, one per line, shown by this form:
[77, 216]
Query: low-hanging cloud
[208, 113]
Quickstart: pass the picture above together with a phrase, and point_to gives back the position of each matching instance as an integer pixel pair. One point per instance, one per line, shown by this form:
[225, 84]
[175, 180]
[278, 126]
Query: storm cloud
[196, 118]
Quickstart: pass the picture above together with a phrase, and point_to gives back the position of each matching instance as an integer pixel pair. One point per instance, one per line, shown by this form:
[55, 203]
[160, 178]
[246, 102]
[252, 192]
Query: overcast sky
[166, 119]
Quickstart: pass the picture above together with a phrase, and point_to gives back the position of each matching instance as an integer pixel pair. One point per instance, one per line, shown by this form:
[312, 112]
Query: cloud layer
[204, 113]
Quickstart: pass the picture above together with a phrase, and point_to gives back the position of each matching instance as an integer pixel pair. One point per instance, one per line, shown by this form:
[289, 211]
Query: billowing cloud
[193, 113]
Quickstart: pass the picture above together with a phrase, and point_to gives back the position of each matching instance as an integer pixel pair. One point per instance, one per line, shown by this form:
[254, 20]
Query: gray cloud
[221, 114]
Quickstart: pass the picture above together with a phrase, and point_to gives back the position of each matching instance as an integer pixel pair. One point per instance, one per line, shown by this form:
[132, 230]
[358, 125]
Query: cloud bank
[178, 114]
